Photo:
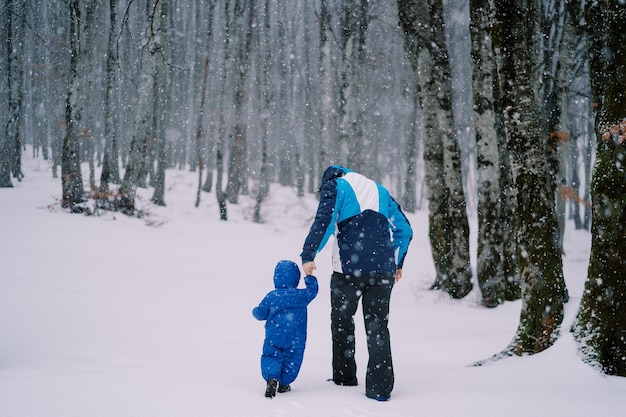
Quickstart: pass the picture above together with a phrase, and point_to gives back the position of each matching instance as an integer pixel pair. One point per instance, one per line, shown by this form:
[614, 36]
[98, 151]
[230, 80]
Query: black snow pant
[375, 291]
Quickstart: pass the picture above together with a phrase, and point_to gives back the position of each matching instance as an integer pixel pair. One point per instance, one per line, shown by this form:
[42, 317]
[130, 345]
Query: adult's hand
[398, 274]
[309, 267]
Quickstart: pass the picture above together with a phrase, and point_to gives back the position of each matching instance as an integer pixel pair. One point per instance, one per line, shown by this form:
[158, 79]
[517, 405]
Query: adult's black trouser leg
[344, 299]
[379, 378]
[346, 290]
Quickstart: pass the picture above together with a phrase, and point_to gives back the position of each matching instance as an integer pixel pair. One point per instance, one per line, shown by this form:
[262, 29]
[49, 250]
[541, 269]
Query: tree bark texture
[423, 28]
[110, 161]
[161, 103]
[10, 149]
[600, 325]
[243, 23]
[539, 256]
[71, 176]
[135, 167]
[492, 280]
[5, 143]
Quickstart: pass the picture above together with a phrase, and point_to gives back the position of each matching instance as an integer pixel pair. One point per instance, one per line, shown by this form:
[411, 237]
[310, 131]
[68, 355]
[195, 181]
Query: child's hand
[309, 267]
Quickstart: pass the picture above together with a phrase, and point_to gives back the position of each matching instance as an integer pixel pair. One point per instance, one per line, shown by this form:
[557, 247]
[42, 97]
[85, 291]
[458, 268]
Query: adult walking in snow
[372, 236]
[284, 310]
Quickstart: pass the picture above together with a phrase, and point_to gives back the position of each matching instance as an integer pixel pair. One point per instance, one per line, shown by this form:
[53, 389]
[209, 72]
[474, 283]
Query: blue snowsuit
[285, 312]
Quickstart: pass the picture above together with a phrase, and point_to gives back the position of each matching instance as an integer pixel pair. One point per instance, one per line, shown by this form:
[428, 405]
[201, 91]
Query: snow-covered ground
[121, 317]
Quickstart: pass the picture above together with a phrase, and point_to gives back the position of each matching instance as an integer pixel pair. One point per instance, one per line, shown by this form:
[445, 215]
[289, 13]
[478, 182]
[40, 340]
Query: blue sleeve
[312, 287]
[400, 230]
[324, 224]
[262, 311]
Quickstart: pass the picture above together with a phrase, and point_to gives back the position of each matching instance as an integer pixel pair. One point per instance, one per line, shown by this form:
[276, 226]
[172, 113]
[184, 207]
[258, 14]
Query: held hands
[309, 267]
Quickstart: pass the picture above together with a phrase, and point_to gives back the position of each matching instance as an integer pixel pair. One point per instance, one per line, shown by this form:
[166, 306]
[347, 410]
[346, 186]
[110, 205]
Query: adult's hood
[286, 275]
[334, 171]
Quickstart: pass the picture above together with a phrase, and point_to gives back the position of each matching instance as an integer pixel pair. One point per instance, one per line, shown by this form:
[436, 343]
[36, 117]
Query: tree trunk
[554, 122]
[491, 278]
[328, 153]
[448, 225]
[199, 134]
[265, 56]
[539, 257]
[208, 182]
[508, 202]
[243, 25]
[71, 176]
[409, 198]
[162, 95]
[5, 143]
[110, 161]
[10, 149]
[600, 325]
[143, 118]
[355, 22]
[223, 129]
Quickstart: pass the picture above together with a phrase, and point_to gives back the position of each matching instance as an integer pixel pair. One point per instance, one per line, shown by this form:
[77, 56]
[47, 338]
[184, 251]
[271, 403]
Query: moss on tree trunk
[600, 326]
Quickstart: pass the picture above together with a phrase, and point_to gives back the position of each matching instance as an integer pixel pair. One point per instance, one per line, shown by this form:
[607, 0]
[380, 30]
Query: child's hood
[286, 275]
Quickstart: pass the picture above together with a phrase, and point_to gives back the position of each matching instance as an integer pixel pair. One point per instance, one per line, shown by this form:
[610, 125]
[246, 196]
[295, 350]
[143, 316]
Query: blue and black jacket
[372, 235]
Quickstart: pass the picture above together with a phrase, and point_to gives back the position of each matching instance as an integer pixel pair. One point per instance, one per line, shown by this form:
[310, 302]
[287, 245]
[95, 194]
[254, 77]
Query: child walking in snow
[285, 312]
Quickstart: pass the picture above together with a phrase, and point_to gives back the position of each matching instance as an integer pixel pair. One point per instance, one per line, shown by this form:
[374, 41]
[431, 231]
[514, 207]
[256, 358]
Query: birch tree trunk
[600, 325]
[539, 257]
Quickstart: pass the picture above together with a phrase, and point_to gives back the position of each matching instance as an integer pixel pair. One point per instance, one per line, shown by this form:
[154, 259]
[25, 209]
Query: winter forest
[510, 111]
